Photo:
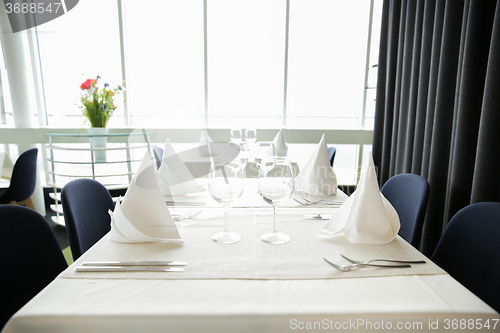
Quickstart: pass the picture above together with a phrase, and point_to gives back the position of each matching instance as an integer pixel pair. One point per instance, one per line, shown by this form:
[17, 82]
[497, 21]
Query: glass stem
[274, 224]
[225, 218]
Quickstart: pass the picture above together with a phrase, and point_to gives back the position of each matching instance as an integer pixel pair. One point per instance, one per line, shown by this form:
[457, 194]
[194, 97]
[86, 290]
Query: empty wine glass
[245, 155]
[225, 184]
[265, 153]
[251, 136]
[236, 135]
[275, 185]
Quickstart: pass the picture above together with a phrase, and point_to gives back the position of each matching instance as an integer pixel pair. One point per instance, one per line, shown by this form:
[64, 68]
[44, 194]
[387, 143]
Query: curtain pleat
[486, 181]
[437, 103]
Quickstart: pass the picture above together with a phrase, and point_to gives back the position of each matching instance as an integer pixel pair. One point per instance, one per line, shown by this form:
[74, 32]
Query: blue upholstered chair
[158, 152]
[468, 250]
[85, 205]
[23, 180]
[30, 257]
[331, 154]
[408, 193]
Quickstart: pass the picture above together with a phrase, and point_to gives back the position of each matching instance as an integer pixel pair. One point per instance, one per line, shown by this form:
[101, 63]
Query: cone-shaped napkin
[280, 143]
[317, 177]
[173, 177]
[367, 217]
[143, 215]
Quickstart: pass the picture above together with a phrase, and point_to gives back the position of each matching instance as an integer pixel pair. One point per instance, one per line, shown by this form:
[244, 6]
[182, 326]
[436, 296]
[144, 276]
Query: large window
[216, 63]
[164, 52]
[79, 45]
[327, 55]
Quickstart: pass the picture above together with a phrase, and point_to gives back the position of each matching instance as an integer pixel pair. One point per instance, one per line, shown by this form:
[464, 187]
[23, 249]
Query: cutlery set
[130, 266]
[355, 263]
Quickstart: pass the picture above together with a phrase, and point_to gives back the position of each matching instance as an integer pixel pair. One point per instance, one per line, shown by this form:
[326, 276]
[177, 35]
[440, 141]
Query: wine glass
[225, 184]
[236, 135]
[245, 155]
[265, 153]
[251, 136]
[275, 185]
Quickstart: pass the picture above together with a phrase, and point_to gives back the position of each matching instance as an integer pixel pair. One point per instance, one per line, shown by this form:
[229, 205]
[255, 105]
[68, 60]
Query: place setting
[367, 220]
[148, 241]
[143, 219]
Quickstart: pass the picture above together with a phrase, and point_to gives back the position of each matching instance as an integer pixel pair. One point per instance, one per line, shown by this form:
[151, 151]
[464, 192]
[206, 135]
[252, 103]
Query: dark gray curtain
[438, 103]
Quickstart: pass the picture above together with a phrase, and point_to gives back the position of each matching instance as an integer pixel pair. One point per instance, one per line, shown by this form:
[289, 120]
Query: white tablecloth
[251, 258]
[251, 286]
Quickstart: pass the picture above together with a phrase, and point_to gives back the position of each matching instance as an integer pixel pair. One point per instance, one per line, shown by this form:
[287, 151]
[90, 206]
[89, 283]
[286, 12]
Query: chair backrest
[158, 152]
[85, 205]
[468, 250]
[23, 180]
[408, 194]
[331, 154]
[30, 257]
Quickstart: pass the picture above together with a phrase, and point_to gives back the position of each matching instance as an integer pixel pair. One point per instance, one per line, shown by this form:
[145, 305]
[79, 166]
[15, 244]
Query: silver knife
[127, 269]
[184, 203]
[134, 263]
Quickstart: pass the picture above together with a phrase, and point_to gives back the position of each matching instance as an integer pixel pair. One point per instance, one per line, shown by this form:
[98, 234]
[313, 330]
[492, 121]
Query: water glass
[251, 136]
[275, 185]
[225, 184]
[236, 135]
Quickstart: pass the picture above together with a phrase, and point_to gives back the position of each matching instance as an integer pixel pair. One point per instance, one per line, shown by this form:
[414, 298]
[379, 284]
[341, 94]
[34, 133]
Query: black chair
[23, 180]
[331, 154]
[85, 205]
[468, 250]
[30, 257]
[158, 152]
[408, 194]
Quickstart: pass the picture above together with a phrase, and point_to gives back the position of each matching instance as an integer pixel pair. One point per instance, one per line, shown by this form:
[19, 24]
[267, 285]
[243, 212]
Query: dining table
[252, 286]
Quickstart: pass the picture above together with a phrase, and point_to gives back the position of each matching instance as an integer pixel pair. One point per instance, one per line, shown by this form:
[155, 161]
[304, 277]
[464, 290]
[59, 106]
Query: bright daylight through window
[216, 63]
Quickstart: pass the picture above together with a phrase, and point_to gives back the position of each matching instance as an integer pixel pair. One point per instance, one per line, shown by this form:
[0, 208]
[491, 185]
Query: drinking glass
[225, 184]
[236, 135]
[275, 185]
[251, 136]
[265, 153]
[245, 155]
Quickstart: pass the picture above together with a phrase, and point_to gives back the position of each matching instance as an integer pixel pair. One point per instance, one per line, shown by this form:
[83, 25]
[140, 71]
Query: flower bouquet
[97, 104]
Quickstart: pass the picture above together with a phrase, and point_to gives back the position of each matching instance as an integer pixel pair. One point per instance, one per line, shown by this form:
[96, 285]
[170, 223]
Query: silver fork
[330, 202]
[177, 217]
[309, 202]
[304, 203]
[385, 260]
[345, 268]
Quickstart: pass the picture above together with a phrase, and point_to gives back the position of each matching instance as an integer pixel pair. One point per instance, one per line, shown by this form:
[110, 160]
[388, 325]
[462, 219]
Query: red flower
[88, 83]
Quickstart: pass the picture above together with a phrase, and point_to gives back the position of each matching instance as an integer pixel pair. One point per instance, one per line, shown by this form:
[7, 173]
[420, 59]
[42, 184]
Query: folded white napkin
[173, 177]
[367, 217]
[317, 177]
[143, 215]
[280, 143]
